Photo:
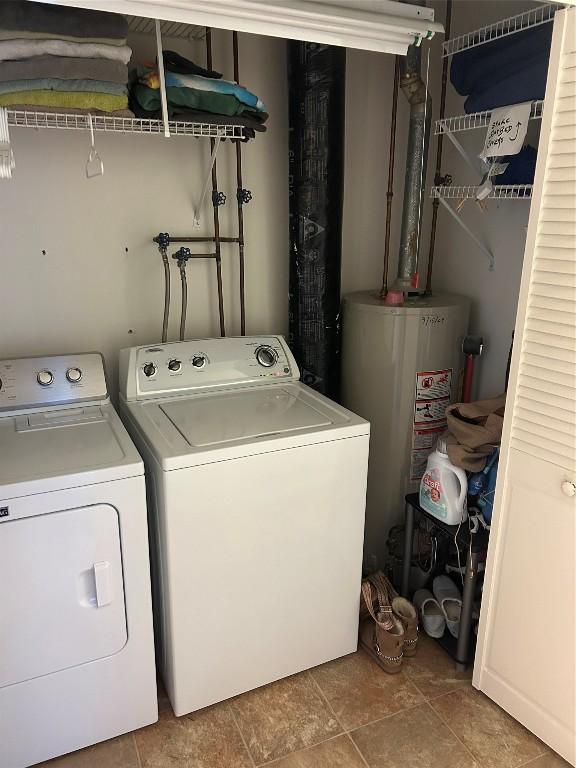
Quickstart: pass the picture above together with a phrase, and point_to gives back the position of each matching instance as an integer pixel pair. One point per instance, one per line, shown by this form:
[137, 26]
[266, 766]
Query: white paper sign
[507, 130]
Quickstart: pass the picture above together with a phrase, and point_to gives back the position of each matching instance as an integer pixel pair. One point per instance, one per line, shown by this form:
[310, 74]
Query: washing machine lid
[219, 425]
[64, 448]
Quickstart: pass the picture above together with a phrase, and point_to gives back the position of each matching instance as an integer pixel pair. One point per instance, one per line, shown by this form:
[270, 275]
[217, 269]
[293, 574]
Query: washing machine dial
[73, 375]
[174, 365]
[45, 378]
[266, 356]
[149, 369]
[198, 361]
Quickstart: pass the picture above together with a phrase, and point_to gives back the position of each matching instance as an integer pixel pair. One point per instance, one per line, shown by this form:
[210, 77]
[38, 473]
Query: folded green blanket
[61, 20]
[64, 68]
[207, 101]
[52, 84]
[83, 99]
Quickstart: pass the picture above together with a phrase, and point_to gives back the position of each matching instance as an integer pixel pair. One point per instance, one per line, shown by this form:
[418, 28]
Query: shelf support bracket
[478, 166]
[163, 97]
[198, 208]
[470, 234]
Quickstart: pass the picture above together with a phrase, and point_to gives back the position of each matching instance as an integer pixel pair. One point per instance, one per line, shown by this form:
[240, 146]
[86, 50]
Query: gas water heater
[401, 368]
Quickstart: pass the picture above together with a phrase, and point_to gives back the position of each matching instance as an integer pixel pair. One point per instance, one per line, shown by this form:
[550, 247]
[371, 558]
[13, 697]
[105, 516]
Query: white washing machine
[76, 642]
[258, 486]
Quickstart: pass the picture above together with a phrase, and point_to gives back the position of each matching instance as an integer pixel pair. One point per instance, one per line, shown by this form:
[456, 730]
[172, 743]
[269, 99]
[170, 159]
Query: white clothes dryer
[76, 641]
[257, 492]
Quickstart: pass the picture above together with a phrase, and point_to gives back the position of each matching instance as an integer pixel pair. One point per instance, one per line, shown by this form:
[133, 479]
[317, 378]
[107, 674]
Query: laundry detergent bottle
[444, 487]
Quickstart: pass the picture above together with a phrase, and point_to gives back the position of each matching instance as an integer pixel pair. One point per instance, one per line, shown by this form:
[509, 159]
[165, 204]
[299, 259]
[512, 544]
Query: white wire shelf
[503, 28]
[478, 120]
[110, 124]
[502, 191]
[174, 29]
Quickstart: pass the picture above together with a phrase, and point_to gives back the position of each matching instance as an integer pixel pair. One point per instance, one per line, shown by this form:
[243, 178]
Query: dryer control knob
[266, 356]
[198, 361]
[569, 488]
[73, 375]
[45, 378]
[149, 369]
[175, 365]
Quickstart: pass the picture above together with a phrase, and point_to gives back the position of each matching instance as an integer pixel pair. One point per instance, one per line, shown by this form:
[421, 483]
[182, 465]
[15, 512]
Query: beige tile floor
[345, 714]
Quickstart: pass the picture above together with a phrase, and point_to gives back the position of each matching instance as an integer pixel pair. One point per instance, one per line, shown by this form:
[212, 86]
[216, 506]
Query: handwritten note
[507, 130]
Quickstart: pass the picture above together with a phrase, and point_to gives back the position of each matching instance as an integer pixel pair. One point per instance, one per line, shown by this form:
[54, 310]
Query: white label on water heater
[433, 389]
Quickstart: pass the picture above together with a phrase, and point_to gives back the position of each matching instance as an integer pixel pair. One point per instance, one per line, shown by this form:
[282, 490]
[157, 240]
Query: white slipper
[450, 600]
[433, 618]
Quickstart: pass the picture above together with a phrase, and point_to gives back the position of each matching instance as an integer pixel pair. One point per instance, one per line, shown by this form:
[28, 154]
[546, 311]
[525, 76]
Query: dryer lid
[223, 418]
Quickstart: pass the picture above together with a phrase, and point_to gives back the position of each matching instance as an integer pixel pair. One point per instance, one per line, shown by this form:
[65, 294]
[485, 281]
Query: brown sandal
[401, 608]
[382, 634]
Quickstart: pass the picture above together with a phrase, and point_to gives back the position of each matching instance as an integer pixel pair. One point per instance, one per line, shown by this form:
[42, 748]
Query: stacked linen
[510, 70]
[198, 95]
[54, 58]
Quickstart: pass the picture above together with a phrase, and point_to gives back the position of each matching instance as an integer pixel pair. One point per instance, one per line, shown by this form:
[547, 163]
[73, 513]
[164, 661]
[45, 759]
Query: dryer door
[62, 592]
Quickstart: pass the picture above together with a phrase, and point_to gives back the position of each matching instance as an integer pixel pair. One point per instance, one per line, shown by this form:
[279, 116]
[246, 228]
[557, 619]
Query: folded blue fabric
[521, 167]
[55, 84]
[478, 68]
[528, 84]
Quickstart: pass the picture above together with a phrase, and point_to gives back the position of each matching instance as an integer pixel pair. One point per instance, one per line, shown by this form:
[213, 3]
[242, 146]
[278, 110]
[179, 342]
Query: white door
[62, 594]
[526, 653]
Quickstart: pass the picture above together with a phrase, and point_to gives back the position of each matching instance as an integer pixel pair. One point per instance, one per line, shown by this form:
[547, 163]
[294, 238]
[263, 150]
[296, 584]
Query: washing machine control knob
[149, 369]
[73, 375]
[175, 365]
[45, 378]
[198, 361]
[266, 356]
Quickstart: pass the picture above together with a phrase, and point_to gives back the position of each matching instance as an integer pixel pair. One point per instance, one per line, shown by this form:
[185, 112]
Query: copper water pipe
[390, 192]
[437, 174]
[239, 187]
[215, 207]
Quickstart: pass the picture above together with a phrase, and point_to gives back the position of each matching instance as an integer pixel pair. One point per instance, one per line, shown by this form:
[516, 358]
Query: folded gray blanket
[12, 50]
[21, 34]
[61, 20]
[64, 68]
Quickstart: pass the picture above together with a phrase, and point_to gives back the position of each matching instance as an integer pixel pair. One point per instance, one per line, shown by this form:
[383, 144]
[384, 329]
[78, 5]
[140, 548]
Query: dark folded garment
[480, 67]
[528, 84]
[64, 68]
[248, 123]
[173, 62]
[521, 167]
[194, 99]
[58, 19]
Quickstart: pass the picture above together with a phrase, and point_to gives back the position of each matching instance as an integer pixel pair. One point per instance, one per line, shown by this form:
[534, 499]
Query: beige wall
[99, 283]
[89, 292]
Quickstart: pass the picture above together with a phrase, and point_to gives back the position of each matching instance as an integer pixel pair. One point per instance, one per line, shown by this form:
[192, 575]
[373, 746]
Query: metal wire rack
[478, 120]
[174, 29]
[502, 191]
[503, 28]
[110, 124]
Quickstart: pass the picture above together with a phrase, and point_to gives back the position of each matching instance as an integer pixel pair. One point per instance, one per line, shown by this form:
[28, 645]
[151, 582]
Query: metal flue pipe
[415, 90]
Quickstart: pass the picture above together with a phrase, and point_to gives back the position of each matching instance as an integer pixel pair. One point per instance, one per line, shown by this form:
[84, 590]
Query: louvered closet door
[527, 645]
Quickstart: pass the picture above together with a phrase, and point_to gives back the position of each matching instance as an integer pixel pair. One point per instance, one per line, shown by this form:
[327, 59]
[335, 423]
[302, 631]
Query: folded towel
[84, 99]
[190, 98]
[127, 113]
[528, 84]
[174, 62]
[480, 67]
[64, 68]
[61, 20]
[20, 34]
[52, 84]
[174, 80]
[11, 50]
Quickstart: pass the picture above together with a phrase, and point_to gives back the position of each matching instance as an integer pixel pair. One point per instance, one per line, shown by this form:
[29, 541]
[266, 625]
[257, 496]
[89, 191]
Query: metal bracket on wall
[484, 248]
[198, 208]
